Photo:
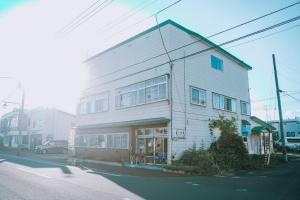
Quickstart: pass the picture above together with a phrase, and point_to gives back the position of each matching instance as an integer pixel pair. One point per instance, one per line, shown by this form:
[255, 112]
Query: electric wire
[214, 46]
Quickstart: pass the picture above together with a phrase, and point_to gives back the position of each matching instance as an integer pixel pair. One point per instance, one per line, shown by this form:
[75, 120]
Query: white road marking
[32, 172]
[110, 174]
[241, 190]
[195, 184]
[235, 177]
[88, 170]
[188, 182]
[220, 176]
[263, 176]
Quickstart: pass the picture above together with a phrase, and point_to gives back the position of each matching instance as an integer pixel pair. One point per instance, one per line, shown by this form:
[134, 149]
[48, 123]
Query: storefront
[151, 145]
[140, 142]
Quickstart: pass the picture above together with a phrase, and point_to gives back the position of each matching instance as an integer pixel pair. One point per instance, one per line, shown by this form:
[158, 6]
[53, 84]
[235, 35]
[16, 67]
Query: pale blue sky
[208, 17]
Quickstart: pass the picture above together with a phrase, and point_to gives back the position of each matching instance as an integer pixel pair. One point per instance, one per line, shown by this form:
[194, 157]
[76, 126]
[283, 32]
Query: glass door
[151, 145]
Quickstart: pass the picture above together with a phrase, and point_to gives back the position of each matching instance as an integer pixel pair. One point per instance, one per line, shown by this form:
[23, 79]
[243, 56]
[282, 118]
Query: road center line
[34, 173]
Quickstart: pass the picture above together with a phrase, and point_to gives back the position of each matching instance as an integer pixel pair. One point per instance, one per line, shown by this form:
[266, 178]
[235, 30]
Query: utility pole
[20, 119]
[280, 111]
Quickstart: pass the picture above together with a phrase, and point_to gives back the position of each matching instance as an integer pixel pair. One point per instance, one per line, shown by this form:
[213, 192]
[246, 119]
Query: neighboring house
[49, 124]
[260, 141]
[134, 107]
[11, 130]
[291, 129]
[40, 125]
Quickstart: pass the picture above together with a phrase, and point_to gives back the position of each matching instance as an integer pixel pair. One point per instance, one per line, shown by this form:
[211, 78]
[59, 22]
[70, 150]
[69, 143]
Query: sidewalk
[95, 165]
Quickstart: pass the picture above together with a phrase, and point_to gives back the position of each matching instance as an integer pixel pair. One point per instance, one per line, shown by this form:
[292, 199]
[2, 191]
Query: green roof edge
[181, 28]
[263, 123]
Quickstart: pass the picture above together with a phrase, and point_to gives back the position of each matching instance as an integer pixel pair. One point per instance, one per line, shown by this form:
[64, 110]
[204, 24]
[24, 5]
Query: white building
[143, 108]
[291, 129]
[39, 125]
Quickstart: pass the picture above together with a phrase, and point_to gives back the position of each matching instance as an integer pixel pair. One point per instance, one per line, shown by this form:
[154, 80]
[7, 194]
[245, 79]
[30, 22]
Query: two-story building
[143, 103]
[14, 133]
[38, 126]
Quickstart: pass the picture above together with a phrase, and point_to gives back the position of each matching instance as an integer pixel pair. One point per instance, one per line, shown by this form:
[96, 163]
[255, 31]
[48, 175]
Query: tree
[229, 151]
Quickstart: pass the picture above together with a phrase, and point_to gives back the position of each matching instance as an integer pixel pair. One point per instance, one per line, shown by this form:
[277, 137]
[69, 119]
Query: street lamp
[20, 114]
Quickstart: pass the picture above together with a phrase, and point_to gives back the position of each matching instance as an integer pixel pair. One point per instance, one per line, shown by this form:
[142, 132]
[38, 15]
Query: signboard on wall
[180, 134]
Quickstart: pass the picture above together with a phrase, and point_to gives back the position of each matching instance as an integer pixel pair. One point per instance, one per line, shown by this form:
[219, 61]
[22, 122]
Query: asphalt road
[30, 179]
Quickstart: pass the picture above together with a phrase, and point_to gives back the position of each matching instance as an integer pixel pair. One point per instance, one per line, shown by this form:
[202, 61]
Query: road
[30, 179]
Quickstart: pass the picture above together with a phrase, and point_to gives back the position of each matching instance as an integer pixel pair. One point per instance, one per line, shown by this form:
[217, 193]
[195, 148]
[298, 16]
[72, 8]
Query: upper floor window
[94, 104]
[245, 108]
[148, 91]
[216, 63]
[224, 103]
[198, 96]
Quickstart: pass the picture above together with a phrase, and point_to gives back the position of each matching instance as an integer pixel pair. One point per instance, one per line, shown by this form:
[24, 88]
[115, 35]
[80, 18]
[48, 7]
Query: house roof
[262, 123]
[170, 22]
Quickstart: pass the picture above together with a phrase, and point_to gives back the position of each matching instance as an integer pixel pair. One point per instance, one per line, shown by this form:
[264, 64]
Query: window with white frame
[198, 96]
[218, 101]
[148, 91]
[118, 141]
[109, 140]
[97, 141]
[224, 103]
[94, 104]
[81, 141]
[245, 108]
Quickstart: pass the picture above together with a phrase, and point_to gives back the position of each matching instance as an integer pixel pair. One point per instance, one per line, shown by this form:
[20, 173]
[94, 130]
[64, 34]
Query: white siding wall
[138, 50]
[232, 82]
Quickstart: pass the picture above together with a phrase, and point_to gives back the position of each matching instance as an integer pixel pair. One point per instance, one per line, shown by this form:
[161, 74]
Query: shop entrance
[152, 145]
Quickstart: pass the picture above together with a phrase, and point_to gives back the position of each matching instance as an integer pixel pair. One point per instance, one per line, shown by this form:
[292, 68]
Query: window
[216, 63]
[224, 103]
[230, 104]
[81, 141]
[198, 96]
[97, 141]
[148, 91]
[218, 101]
[245, 108]
[117, 141]
[33, 123]
[94, 104]
[110, 140]
[290, 134]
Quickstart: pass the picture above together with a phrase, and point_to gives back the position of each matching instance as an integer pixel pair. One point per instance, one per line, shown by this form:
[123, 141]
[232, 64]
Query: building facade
[39, 125]
[291, 129]
[12, 132]
[139, 106]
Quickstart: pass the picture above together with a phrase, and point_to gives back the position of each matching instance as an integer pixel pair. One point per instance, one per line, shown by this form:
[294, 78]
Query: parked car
[54, 146]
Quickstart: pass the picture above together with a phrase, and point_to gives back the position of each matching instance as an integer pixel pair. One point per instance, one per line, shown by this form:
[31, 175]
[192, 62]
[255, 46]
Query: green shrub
[229, 151]
[195, 161]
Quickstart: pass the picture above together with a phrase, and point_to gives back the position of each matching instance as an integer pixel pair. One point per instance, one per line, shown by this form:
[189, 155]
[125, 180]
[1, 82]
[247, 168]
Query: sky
[38, 50]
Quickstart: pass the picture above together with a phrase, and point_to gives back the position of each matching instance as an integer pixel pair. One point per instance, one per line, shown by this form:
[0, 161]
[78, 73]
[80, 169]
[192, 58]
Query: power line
[79, 15]
[144, 19]
[122, 19]
[274, 33]
[293, 97]
[205, 50]
[255, 19]
[197, 40]
[91, 14]
[223, 31]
